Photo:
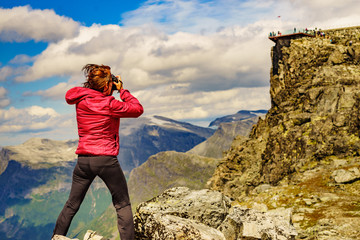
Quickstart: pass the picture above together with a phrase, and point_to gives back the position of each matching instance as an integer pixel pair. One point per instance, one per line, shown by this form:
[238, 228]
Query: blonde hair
[97, 76]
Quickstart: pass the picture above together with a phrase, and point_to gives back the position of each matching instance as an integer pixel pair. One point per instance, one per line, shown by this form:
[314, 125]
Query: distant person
[98, 116]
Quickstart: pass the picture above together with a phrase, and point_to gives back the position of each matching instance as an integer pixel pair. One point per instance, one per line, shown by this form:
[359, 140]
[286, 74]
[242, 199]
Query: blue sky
[189, 60]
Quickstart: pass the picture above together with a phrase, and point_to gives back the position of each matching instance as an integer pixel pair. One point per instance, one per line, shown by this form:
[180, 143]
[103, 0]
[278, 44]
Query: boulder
[160, 226]
[346, 175]
[180, 213]
[90, 235]
[205, 206]
[245, 223]
[60, 237]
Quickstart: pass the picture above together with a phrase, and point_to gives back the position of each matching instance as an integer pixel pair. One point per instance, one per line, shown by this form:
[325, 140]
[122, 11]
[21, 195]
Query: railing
[294, 31]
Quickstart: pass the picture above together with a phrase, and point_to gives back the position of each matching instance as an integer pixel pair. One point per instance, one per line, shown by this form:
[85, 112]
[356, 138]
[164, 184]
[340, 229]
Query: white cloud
[18, 125]
[34, 118]
[174, 102]
[237, 54]
[183, 59]
[208, 16]
[147, 57]
[21, 58]
[5, 72]
[196, 16]
[4, 100]
[56, 92]
[23, 23]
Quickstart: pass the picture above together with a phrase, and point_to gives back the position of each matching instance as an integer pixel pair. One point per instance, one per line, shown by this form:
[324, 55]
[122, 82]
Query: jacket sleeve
[130, 107]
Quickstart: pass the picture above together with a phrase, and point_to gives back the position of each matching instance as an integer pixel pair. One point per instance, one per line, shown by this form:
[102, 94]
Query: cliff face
[314, 115]
[315, 104]
[310, 133]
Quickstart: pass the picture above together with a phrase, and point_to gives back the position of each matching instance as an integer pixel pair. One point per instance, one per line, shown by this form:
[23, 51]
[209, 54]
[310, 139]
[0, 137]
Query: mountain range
[36, 175]
[155, 134]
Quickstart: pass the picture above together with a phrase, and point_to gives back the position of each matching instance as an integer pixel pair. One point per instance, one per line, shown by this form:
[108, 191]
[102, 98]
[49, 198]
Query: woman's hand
[119, 85]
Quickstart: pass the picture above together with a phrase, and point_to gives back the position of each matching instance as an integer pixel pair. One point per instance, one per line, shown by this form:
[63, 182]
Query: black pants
[109, 170]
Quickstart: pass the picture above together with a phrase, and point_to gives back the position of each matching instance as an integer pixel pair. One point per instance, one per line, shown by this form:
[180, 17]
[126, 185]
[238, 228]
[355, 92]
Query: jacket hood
[76, 94]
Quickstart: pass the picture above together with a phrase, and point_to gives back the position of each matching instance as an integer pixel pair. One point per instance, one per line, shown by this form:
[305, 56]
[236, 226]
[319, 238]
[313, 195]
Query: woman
[98, 118]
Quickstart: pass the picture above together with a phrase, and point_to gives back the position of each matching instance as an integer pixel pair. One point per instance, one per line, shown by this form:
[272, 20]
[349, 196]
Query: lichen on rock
[314, 114]
[307, 147]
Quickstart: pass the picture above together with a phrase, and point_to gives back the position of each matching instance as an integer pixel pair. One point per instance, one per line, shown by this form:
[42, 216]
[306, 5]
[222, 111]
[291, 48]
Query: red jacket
[98, 119]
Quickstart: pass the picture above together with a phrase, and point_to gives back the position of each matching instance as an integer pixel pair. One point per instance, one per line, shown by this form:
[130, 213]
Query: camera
[114, 79]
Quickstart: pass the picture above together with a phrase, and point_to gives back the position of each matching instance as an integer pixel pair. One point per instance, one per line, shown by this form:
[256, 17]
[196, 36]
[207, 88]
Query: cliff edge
[308, 141]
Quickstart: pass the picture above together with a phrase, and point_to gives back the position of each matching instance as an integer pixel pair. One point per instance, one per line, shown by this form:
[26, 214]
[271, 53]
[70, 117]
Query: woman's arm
[130, 107]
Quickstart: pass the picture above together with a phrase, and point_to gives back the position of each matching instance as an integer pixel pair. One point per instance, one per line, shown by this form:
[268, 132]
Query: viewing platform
[290, 36]
[284, 40]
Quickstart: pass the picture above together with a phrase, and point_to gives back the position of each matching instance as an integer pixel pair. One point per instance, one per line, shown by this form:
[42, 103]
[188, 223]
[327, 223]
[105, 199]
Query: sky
[189, 60]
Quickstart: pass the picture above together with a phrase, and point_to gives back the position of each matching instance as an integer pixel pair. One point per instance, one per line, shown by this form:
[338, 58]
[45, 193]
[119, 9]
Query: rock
[259, 207]
[59, 237]
[336, 58]
[166, 170]
[205, 206]
[90, 235]
[326, 197]
[199, 212]
[159, 226]
[315, 102]
[256, 225]
[340, 162]
[262, 188]
[309, 139]
[346, 176]
[179, 213]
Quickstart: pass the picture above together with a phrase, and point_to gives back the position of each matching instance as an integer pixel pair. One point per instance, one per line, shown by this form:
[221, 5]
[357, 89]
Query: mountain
[221, 140]
[39, 153]
[35, 177]
[305, 153]
[241, 115]
[35, 185]
[191, 169]
[166, 170]
[153, 135]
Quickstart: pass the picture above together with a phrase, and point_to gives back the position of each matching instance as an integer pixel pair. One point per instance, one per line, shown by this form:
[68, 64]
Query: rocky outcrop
[314, 115]
[180, 213]
[90, 235]
[246, 223]
[346, 175]
[305, 153]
